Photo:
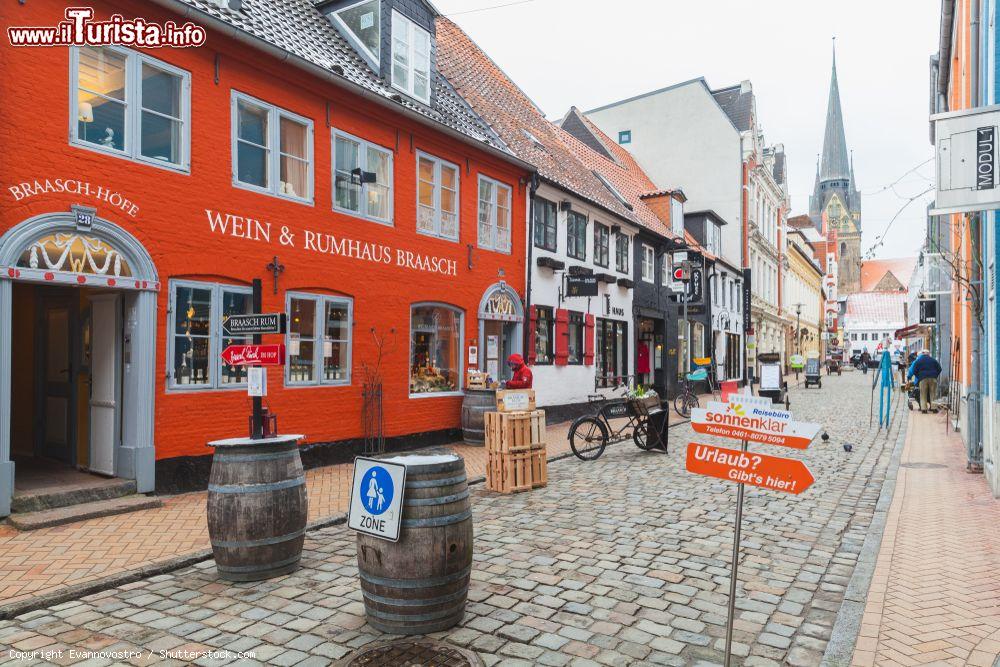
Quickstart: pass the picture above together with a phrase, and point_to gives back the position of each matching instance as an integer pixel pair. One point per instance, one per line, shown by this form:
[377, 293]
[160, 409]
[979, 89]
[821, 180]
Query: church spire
[834, 163]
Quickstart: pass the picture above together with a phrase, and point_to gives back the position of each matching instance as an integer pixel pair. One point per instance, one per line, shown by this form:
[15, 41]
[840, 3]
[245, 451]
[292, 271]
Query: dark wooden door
[55, 377]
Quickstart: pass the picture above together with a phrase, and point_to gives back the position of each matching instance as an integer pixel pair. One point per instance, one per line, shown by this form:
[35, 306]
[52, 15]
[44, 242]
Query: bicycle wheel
[639, 436]
[587, 438]
[683, 404]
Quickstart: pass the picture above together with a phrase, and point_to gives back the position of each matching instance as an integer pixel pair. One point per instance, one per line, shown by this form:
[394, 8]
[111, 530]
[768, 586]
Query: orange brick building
[147, 188]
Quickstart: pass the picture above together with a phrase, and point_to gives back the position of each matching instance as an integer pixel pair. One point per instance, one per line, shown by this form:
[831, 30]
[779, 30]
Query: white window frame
[713, 237]
[214, 338]
[354, 37]
[411, 29]
[134, 61]
[677, 217]
[491, 244]
[648, 264]
[461, 348]
[666, 274]
[319, 324]
[619, 237]
[273, 148]
[363, 146]
[438, 186]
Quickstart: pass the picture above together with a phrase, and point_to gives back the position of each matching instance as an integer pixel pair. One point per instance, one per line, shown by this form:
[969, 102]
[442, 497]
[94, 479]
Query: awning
[912, 330]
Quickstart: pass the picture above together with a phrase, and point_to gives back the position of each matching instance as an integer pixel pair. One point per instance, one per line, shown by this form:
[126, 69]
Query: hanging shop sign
[747, 328]
[768, 472]
[581, 285]
[928, 311]
[254, 355]
[377, 498]
[257, 323]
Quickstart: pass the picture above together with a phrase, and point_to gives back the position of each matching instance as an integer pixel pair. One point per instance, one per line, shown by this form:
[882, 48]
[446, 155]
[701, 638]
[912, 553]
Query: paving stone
[518, 633]
[776, 641]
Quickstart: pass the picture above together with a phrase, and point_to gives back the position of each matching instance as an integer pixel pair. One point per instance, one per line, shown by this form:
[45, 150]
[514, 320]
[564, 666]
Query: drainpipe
[532, 189]
[974, 59]
[975, 278]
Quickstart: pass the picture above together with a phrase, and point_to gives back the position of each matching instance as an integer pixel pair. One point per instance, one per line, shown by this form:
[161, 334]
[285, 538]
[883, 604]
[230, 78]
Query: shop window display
[196, 337]
[435, 349]
[319, 339]
[543, 335]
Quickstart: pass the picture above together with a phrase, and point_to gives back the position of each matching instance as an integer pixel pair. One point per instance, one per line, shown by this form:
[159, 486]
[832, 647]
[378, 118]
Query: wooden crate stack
[515, 450]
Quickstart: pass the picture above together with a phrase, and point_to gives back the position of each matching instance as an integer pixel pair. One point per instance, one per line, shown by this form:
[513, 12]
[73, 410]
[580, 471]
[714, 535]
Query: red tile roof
[873, 270]
[558, 156]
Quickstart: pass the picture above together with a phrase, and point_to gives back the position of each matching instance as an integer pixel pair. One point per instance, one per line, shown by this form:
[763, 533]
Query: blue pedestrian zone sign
[377, 498]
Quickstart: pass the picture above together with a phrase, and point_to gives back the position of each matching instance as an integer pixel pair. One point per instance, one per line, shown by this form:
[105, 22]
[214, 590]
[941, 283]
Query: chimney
[745, 87]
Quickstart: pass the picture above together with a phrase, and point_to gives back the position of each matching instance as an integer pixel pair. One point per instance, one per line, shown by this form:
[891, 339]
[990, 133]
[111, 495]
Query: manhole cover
[923, 466]
[411, 653]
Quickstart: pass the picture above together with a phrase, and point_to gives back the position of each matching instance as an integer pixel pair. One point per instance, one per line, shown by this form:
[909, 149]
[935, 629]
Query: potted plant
[644, 396]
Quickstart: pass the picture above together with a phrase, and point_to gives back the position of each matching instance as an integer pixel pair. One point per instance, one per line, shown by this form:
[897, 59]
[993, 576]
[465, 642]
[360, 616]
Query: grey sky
[588, 53]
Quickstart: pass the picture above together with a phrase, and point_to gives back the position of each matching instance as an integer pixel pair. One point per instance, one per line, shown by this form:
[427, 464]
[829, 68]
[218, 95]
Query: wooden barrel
[257, 507]
[420, 583]
[477, 403]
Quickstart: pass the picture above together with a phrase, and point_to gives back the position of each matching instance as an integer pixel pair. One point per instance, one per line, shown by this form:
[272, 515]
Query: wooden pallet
[539, 468]
[510, 472]
[475, 380]
[515, 450]
[515, 431]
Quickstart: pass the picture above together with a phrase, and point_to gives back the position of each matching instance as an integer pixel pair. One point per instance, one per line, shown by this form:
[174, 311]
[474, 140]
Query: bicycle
[591, 434]
[686, 400]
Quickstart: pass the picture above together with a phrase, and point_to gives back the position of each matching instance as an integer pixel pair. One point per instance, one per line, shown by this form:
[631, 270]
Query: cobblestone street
[622, 561]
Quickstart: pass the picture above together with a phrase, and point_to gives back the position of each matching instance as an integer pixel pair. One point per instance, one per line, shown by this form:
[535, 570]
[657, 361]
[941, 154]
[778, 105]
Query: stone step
[62, 515]
[65, 496]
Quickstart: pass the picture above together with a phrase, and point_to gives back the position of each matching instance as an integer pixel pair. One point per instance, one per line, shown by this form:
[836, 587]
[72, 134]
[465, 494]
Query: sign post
[748, 418]
[257, 421]
[731, 617]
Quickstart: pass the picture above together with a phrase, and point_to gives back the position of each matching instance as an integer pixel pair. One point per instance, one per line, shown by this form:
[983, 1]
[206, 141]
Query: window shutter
[588, 340]
[562, 337]
[531, 356]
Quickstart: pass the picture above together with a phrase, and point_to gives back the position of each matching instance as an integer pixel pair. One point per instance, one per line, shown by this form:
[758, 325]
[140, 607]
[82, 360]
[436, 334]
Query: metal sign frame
[966, 176]
[354, 521]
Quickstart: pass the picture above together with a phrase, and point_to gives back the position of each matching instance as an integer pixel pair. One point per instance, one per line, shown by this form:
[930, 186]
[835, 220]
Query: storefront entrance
[77, 352]
[501, 322]
[649, 357]
[68, 372]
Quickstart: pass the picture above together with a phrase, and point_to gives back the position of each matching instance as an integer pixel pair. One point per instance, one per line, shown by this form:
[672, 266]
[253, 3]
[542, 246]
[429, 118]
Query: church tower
[835, 205]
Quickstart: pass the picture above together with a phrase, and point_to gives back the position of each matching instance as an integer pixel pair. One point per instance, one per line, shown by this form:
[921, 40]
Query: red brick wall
[172, 223]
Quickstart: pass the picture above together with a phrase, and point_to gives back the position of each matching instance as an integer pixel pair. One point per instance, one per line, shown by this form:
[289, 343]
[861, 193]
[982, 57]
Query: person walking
[865, 360]
[926, 370]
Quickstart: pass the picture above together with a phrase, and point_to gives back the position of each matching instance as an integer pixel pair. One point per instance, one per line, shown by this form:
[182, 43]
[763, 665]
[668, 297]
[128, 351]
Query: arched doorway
[77, 349]
[501, 329]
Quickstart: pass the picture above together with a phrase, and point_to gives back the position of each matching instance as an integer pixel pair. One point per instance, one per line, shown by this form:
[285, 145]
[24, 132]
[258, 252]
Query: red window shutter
[588, 340]
[562, 337]
[532, 330]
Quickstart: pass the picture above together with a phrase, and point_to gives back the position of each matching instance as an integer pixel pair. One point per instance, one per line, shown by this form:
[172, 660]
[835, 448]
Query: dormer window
[411, 58]
[677, 217]
[362, 20]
